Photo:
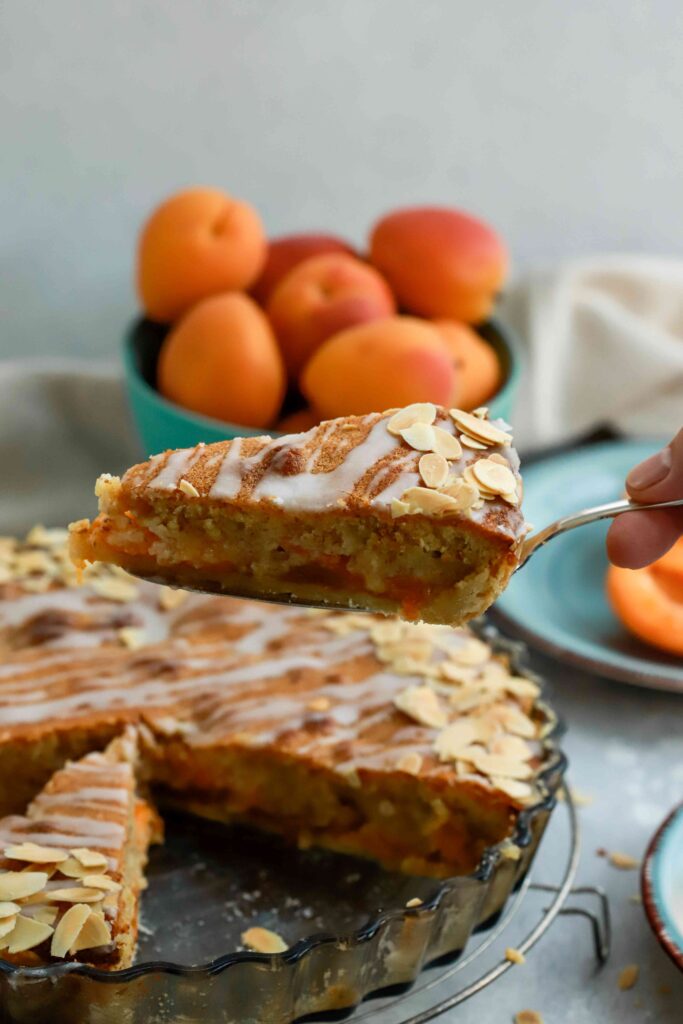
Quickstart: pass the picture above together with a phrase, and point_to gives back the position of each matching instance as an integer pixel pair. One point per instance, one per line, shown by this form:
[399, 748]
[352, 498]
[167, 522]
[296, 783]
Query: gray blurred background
[560, 123]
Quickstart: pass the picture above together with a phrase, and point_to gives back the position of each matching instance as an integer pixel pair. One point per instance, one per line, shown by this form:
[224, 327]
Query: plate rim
[651, 902]
[644, 676]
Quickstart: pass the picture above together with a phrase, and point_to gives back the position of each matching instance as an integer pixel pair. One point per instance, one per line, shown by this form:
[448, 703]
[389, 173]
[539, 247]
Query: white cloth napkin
[604, 345]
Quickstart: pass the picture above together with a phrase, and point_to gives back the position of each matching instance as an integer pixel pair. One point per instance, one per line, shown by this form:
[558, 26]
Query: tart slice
[414, 511]
[71, 867]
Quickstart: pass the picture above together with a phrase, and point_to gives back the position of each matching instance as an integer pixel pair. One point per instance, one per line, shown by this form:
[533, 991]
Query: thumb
[659, 478]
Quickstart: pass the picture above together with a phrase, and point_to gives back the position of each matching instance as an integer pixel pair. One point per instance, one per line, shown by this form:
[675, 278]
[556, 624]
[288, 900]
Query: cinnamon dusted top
[355, 463]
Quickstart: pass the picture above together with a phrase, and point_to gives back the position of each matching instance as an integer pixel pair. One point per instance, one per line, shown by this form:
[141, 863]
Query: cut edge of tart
[72, 866]
[412, 511]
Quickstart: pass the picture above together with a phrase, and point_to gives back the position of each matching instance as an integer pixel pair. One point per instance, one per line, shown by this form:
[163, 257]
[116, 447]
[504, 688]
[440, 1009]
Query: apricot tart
[410, 744]
[414, 511]
[71, 867]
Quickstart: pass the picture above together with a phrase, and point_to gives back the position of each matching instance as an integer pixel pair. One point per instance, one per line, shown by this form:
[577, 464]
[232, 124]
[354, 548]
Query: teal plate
[557, 601]
[662, 885]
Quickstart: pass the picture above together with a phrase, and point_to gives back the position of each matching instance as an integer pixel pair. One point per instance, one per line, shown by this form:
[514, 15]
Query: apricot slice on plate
[649, 601]
[377, 366]
[477, 370]
[222, 360]
[197, 243]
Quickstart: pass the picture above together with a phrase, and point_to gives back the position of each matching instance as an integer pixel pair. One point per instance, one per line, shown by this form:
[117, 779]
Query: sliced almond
[419, 412]
[422, 704]
[75, 894]
[469, 442]
[464, 493]
[515, 956]
[68, 929]
[502, 767]
[94, 932]
[8, 909]
[520, 686]
[26, 934]
[132, 637]
[170, 599]
[187, 488]
[513, 747]
[114, 589]
[46, 915]
[399, 508]
[623, 861]
[528, 1017]
[515, 721]
[472, 652]
[419, 436]
[414, 902]
[72, 868]
[7, 924]
[628, 977]
[89, 858]
[480, 429]
[494, 477]
[446, 444]
[15, 885]
[410, 762]
[263, 940]
[433, 469]
[481, 411]
[455, 738]
[427, 502]
[35, 854]
[512, 787]
[319, 704]
[104, 882]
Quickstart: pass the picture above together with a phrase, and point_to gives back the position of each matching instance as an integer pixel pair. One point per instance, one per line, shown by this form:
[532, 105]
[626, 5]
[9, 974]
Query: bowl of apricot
[245, 335]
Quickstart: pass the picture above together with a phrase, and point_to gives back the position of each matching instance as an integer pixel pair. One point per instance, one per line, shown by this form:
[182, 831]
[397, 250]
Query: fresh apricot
[376, 366]
[320, 297]
[286, 253]
[440, 262]
[197, 243]
[222, 360]
[649, 601]
[298, 422]
[477, 370]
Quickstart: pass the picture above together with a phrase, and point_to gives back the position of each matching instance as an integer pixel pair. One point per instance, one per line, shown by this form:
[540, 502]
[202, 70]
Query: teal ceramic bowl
[162, 424]
[662, 885]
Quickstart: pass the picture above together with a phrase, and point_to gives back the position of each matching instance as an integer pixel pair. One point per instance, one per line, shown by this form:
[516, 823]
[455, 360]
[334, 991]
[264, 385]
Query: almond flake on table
[623, 861]
[528, 1017]
[514, 956]
[628, 977]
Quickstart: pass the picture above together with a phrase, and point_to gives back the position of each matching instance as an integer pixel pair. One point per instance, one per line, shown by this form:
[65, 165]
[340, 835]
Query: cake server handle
[536, 540]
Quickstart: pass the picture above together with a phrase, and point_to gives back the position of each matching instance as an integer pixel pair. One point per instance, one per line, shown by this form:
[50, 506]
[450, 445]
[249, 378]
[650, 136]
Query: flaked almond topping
[8, 909]
[628, 977]
[446, 444]
[263, 940]
[469, 442]
[75, 894]
[463, 492]
[511, 747]
[35, 854]
[623, 861]
[46, 915]
[456, 738]
[388, 631]
[410, 762]
[419, 412]
[414, 902]
[72, 868]
[520, 686]
[15, 885]
[132, 637]
[421, 499]
[481, 411]
[422, 704]
[101, 882]
[500, 766]
[512, 787]
[170, 599]
[95, 932]
[433, 469]
[114, 589]
[399, 508]
[515, 956]
[510, 850]
[419, 436]
[480, 429]
[7, 924]
[528, 1017]
[515, 721]
[468, 475]
[472, 652]
[319, 704]
[26, 934]
[68, 929]
[187, 488]
[496, 478]
[89, 858]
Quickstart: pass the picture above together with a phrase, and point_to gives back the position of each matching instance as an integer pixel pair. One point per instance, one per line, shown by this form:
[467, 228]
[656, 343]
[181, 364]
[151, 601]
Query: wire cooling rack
[563, 899]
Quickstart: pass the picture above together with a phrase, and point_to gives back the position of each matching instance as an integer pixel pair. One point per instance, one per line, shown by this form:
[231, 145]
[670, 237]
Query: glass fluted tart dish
[424, 757]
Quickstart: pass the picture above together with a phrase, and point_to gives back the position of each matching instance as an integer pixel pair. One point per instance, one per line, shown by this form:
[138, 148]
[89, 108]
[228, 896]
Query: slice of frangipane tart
[412, 511]
[72, 866]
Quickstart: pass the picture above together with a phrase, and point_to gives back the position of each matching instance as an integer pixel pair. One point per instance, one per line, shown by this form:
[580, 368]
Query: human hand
[636, 539]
